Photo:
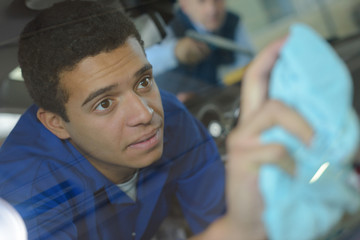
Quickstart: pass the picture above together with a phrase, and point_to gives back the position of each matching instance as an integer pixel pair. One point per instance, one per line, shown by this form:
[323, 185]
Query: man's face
[208, 13]
[115, 110]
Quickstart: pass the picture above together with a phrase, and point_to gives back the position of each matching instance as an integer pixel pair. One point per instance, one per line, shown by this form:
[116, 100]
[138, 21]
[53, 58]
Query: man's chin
[147, 159]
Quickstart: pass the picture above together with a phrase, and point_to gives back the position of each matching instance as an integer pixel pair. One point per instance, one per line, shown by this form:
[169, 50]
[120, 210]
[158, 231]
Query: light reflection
[319, 172]
[7, 123]
[12, 225]
[16, 74]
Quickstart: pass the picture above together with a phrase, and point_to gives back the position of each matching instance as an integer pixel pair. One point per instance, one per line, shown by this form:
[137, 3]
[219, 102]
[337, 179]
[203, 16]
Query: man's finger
[256, 156]
[255, 84]
[274, 113]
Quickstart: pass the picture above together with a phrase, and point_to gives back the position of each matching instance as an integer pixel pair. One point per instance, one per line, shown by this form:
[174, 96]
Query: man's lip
[145, 137]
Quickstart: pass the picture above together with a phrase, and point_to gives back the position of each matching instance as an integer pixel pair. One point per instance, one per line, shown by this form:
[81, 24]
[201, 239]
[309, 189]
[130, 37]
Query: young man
[67, 209]
[102, 152]
[185, 58]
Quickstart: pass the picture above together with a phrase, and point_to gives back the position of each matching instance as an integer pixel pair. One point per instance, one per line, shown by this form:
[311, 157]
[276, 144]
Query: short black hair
[59, 38]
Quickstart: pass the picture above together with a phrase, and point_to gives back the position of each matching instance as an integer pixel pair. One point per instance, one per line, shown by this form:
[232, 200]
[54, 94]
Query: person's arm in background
[243, 40]
[162, 55]
[246, 154]
[172, 51]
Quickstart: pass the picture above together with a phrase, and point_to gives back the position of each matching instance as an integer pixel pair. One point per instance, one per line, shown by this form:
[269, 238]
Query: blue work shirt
[60, 195]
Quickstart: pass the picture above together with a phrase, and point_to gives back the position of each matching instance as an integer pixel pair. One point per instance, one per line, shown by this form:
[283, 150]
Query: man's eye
[146, 82]
[104, 105]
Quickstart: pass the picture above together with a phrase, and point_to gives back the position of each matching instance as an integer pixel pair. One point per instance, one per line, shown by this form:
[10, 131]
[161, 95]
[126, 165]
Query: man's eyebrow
[98, 92]
[143, 69]
[108, 88]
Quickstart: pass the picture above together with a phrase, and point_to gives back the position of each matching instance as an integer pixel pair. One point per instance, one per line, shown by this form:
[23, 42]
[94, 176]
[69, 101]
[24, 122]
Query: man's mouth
[147, 141]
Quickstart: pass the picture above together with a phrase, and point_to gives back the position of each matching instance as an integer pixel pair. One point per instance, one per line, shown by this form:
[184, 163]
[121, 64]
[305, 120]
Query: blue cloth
[61, 195]
[311, 78]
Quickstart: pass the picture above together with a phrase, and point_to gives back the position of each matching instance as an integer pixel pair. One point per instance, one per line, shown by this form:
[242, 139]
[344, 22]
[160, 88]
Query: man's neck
[116, 174]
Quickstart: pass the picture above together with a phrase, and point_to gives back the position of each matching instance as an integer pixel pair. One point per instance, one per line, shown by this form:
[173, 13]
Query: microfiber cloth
[311, 78]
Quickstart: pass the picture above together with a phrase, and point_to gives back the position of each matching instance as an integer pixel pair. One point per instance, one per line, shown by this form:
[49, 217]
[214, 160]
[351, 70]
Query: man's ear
[53, 122]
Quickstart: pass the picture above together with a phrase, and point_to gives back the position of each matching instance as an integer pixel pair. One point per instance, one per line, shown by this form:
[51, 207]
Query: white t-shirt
[129, 187]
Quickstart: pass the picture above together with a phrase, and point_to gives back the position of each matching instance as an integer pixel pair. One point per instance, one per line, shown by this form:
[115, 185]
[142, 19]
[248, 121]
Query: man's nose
[138, 110]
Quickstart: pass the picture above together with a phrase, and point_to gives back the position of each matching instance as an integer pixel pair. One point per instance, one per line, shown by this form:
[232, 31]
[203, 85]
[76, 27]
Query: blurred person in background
[184, 64]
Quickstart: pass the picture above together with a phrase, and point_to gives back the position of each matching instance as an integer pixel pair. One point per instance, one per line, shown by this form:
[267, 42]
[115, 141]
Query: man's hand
[246, 154]
[245, 151]
[190, 52]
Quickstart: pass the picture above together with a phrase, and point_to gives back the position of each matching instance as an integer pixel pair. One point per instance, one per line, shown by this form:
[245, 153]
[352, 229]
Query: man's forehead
[129, 50]
[118, 68]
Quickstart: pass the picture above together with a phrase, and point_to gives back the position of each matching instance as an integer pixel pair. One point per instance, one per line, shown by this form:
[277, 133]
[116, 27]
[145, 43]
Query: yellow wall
[307, 11]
